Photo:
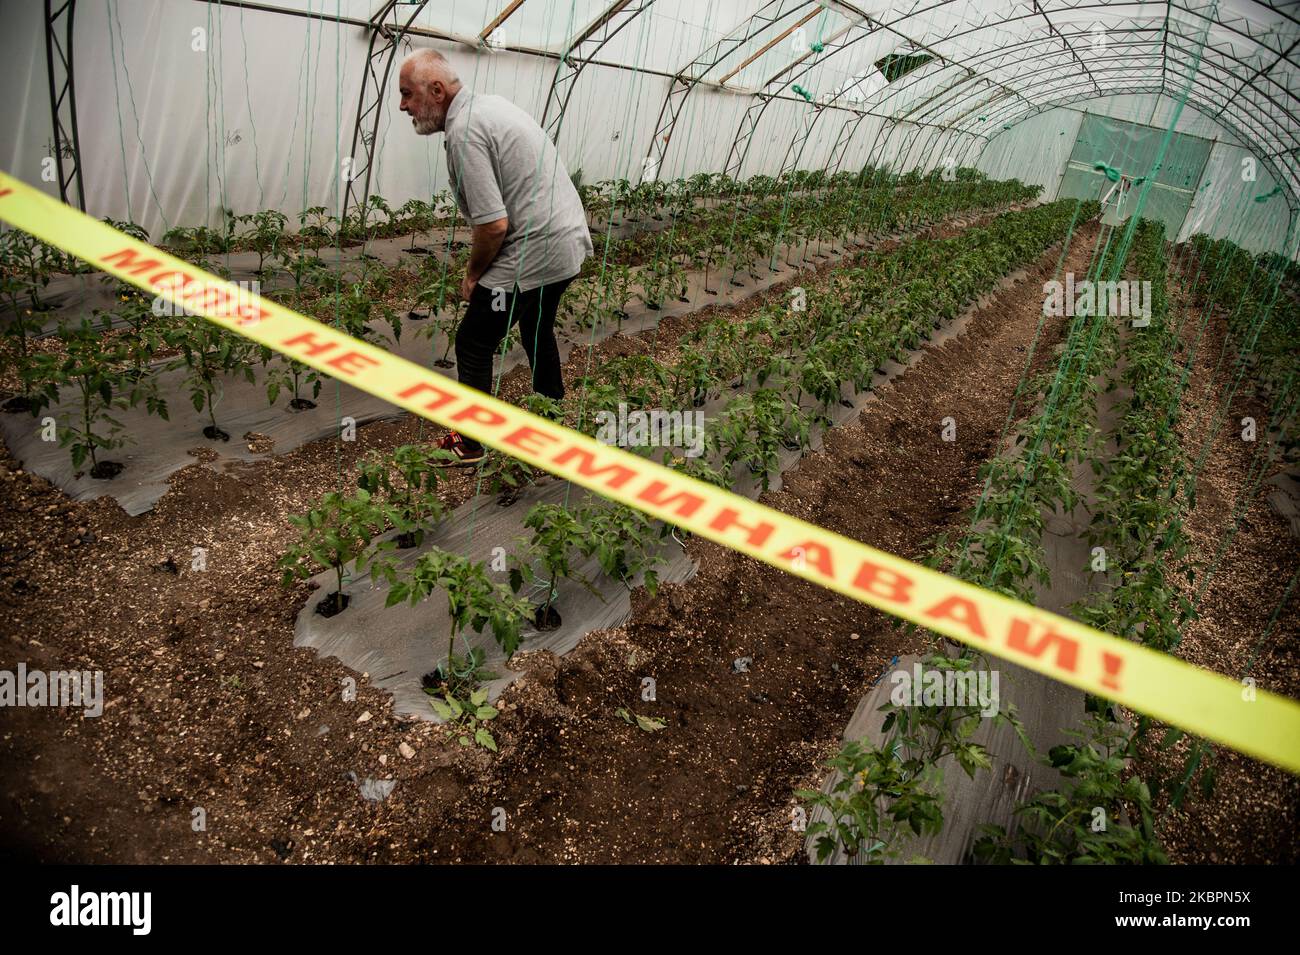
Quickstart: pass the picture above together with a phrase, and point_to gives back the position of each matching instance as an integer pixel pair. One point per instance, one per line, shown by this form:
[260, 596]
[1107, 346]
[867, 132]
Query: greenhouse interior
[751, 432]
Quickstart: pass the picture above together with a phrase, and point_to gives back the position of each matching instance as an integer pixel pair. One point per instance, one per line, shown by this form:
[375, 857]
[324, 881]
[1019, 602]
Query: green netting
[1107, 148]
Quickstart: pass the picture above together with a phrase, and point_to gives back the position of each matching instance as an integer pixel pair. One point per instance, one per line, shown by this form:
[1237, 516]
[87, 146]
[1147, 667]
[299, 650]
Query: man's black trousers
[481, 330]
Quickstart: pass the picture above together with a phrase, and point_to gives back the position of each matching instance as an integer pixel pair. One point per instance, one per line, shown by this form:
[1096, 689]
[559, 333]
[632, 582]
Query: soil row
[1250, 815]
[578, 784]
[208, 705]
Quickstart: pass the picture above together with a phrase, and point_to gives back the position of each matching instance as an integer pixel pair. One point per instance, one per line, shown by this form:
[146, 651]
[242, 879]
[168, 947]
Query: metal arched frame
[384, 39]
[787, 77]
[1031, 61]
[1213, 74]
[1037, 10]
[693, 74]
[1054, 33]
[1256, 130]
[1232, 84]
[1252, 97]
[875, 157]
[1074, 96]
[1002, 112]
[1261, 71]
[1244, 128]
[940, 94]
[686, 79]
[63, 99]
[835, 158]
[578, 52]
[971, 76]
[794, 150]
[842, 141]
[796, 70]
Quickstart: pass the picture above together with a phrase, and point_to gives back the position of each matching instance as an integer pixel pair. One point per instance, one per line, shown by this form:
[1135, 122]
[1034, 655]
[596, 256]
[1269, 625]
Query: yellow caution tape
[1257, 723]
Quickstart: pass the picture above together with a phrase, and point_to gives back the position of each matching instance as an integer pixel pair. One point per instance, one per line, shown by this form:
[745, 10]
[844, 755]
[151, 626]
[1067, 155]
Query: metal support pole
[63, 99]
[384, 39]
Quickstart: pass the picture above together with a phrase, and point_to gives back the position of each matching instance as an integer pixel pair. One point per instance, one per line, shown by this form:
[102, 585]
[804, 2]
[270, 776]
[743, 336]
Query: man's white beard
[427, 127]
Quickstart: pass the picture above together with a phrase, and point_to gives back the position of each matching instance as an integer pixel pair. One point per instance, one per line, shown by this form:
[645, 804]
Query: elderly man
[530, 233]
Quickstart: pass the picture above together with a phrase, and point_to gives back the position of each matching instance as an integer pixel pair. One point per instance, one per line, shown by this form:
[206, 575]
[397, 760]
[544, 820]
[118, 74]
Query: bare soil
[209, 706]
[1250, 817]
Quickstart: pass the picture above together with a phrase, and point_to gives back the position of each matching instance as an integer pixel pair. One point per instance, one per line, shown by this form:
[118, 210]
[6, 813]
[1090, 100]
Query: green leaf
[397, 593]
[650, 724]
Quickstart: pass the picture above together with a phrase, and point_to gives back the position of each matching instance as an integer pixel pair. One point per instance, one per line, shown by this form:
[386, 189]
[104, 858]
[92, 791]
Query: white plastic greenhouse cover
[187, 107]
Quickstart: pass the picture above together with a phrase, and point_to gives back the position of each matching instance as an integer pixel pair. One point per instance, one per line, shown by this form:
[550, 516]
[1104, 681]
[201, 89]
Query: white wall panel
[262, 118]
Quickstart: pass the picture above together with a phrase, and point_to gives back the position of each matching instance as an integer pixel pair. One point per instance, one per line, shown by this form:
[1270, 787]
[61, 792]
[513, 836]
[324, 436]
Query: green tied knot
[818, 46]
[1111, 172]
[802, 92]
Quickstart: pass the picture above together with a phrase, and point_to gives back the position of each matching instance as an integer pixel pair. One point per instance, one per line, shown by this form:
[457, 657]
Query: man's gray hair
[429, 65]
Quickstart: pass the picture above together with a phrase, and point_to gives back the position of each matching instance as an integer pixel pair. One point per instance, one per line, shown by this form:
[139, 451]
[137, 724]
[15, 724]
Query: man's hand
[487, 239]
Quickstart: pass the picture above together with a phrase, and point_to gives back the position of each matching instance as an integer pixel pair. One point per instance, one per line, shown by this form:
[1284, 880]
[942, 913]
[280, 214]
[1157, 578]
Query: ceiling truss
[1036, 54]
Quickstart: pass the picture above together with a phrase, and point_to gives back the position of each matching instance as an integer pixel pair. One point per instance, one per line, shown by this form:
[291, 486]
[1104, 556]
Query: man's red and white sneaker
[462, 453]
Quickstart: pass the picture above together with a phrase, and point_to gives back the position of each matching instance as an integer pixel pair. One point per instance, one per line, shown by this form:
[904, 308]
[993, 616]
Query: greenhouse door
[1130, 149]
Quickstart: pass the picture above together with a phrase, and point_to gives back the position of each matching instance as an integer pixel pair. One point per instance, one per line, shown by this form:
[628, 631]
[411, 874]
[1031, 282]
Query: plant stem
[85, 409]
[451, 646]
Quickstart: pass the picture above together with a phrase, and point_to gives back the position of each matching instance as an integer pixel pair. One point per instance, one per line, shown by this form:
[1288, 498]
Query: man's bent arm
[487, 239]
